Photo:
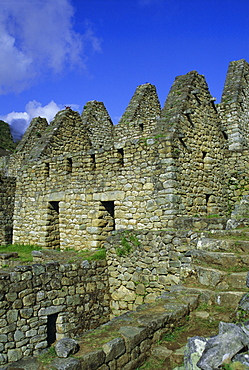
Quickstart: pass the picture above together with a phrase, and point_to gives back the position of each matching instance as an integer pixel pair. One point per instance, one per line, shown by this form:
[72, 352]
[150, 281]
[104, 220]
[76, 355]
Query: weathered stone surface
[92, 360]
[123, 293]
[244, 302]
[161, 352]
[114, 348]
[14, 355]
[65, 347]
[230, 340]
[194, 349]
[65, 364]
[132, 335]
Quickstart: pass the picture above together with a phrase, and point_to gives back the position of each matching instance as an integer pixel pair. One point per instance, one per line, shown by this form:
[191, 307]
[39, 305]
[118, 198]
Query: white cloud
[19, 121]
[37, 37]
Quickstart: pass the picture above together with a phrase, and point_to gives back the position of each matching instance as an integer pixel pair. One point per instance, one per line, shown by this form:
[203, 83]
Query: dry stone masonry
[140, 189]
[44, 302]
[81, 177]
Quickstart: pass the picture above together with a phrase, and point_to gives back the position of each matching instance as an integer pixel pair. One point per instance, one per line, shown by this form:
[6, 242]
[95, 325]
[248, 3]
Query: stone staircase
[219, 267]
[218, 274]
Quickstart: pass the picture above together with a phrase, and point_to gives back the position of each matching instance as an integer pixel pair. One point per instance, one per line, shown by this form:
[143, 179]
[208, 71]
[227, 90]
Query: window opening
[204, 154]
[225, 135]
[207, 198]
[93, 162]
[141, 126]
[69, 165]
[121, 157]
[51, 329]
[182, 142]
[47, 169]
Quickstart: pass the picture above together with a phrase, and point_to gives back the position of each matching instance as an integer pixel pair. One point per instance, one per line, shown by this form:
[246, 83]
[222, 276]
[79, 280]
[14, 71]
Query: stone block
[132, 336]
[66, 364]
[114, 348]
[122, 293]
[14, 355]
[51, 310]
[92, 360]
[26, 313]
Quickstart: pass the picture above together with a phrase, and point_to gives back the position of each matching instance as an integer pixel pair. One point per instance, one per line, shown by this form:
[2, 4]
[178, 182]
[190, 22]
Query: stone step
[244, 233]
[222, 260]
[221, 298]
[223, 245]
[217, 279]
[221, 280]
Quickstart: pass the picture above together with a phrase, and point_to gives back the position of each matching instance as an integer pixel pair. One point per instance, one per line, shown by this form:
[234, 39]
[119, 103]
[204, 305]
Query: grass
[234, 366]
[128, 242]
[70, 255]
[47, 356]
[97, 255]
[24, 251]
[152, 364]
[175, 334]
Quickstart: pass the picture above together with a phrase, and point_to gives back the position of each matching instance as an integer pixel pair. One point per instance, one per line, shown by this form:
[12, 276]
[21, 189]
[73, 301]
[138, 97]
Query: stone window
[121, 157]
[207, 198]
[225, 135]
[93, 162]
[69, 165]
[141, 126]
[182, 142]
[47, 169]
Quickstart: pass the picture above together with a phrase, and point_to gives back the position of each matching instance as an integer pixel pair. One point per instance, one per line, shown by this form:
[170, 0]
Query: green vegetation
[99, 254]
[24, 251]
[69, 255]
[128, 242]
[234, 366]
[47, 356]
[6, 137]
[174, 334]
[152, 364]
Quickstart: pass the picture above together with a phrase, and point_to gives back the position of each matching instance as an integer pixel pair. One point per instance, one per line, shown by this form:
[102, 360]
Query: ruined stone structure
[70, 183]
[153, 178]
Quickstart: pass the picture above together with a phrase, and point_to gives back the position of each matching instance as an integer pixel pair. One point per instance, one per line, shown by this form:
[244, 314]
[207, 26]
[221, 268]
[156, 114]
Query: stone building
[71, 182]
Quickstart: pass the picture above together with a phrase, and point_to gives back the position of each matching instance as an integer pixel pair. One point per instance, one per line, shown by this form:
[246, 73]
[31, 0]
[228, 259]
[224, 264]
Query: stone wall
[197, 146]
[44, 302]
[94, 116]
[141, 115]
[136, 188]
[84, 177]
[7, 191]
[234, 105]
[144, 264]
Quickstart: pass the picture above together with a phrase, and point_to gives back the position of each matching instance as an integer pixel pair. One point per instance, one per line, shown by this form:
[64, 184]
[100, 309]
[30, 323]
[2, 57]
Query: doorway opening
[51, 329]
[107, 217]
[53, 228]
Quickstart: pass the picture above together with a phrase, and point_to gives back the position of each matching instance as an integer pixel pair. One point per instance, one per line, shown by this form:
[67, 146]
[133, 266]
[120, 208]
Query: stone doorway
[53, 228]
[51, 328]
[106, 220]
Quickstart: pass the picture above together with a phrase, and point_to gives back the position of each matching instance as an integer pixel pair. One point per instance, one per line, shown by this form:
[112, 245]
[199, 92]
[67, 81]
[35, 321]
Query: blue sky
[67, 52]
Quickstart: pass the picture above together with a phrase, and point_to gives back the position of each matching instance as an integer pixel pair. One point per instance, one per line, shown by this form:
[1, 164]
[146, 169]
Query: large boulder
[194, 349]
[66, 347]
[223, 347]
